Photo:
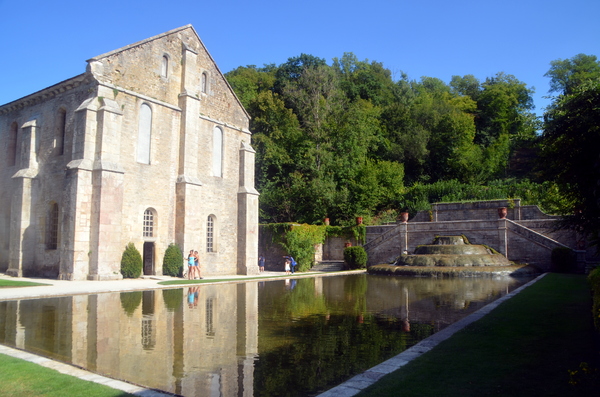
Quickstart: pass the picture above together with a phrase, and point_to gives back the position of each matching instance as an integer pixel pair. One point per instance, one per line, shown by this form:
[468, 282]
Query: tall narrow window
[217, 152]
[52, 242]
[164, 66]
[210, 233]
[148, 223]
[11, 155]
[144, 134]
[204, 83]
[61, 131]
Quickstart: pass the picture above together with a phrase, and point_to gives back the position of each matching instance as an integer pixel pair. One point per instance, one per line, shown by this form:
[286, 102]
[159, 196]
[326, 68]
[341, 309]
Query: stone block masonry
[150, 145]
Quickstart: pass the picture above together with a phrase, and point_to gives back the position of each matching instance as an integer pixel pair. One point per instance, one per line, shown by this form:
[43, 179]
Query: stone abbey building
[150, 145]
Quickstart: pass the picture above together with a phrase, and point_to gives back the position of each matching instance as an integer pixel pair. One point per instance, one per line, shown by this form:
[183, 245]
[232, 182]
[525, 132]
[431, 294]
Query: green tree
[568, 74]
[570, 153]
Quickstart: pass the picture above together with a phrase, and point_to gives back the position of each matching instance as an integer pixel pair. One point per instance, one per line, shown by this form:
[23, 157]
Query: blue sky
[45, 42]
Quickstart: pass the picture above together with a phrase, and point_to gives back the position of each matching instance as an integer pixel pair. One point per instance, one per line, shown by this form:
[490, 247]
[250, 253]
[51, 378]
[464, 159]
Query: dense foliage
[355, 257]
[299, 242]
[131, 262]
[349, 139]
[571, 140]
[173, 261]
[343, 140]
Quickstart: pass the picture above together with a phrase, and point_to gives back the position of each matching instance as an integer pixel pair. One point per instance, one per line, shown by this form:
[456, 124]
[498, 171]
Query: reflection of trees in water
[130, 301]
[302, 300]
[312, 341]
[324, 350]
[173, 298]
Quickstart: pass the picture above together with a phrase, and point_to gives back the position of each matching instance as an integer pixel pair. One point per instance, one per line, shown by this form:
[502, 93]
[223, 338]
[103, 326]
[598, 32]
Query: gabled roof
[170, 32]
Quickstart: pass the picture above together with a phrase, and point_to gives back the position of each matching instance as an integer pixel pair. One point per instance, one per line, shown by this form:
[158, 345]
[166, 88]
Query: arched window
[149, 223]
[11, 155]
[144, 134]
[204, 83]
[217, 154]
[52, 232]
[210, 234]
[61, 129]
[164, 66]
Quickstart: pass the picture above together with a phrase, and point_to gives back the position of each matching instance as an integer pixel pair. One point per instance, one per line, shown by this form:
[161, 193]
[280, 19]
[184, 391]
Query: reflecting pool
[292, 337]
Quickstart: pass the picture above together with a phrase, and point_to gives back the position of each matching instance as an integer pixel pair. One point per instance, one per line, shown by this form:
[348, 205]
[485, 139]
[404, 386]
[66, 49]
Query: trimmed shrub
[131, 262]
[355, 257]
[173, 261]
[563, 260]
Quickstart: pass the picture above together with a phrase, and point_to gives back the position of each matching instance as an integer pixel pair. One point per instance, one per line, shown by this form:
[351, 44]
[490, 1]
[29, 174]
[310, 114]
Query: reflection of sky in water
[283, 337]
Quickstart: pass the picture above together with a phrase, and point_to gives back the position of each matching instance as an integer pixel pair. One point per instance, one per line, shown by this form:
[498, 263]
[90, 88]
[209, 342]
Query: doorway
[148, 258]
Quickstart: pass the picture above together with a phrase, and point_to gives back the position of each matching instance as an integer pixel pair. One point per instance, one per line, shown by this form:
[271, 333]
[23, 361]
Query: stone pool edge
[82, 374]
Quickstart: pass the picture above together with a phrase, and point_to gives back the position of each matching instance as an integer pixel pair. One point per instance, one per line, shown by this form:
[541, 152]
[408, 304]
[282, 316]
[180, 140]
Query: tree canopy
[347, 139]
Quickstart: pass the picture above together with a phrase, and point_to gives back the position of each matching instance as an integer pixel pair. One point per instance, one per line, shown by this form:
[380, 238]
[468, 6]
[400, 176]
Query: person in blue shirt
[293, 263]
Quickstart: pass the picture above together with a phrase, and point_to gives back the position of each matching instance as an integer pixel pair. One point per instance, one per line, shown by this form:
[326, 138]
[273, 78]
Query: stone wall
[92, 170]
[527, 235]
[480, 210]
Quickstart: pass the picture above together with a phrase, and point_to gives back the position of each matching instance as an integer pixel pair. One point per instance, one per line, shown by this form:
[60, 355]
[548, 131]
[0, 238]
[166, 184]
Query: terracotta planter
[404, 217]
[346, 245]
[502, 211]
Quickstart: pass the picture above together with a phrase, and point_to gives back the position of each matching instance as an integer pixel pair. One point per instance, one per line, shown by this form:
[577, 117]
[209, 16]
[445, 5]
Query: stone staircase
[328, 266]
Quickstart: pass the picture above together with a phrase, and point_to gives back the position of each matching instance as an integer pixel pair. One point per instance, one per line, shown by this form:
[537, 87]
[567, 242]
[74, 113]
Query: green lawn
[531, 345]
[23, 378]
[16, 283]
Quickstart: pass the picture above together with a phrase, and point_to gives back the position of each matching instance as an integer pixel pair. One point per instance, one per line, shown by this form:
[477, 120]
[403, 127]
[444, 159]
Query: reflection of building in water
[188, 352]
[210, 327]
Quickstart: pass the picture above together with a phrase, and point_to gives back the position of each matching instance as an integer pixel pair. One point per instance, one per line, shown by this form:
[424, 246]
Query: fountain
[452, 256]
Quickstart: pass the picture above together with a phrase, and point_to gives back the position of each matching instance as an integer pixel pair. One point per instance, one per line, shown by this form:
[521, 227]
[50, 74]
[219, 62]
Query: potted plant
[403, 217]
[502, 212]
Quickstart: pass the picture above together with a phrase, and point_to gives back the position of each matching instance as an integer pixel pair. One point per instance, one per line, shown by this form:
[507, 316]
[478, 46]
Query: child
[287, 266]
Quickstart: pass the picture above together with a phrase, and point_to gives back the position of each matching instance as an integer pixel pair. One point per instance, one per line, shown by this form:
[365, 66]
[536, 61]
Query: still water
[274, 338]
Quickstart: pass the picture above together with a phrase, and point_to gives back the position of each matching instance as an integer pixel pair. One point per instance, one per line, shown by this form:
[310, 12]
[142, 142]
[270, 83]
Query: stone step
[328, 266]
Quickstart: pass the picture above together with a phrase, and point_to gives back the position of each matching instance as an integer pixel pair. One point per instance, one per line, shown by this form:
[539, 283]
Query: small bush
[173, 261]
[563, 260]
[131, 262]
[355, 257]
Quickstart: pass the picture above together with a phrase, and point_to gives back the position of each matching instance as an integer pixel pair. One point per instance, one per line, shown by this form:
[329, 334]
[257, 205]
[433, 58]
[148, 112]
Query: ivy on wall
[300, 241]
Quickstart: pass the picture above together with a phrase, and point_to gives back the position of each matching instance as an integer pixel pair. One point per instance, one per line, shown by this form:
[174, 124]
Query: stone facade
[150, 145]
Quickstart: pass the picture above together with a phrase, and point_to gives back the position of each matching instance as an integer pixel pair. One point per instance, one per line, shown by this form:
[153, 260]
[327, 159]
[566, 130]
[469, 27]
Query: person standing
[197, 264]
[191, 259]
[292, 262]
[287, 265]
[261, 263]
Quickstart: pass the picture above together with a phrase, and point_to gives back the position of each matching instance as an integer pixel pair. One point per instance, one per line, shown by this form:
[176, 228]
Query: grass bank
[23, 378]
[17, 283]
[534, 344]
